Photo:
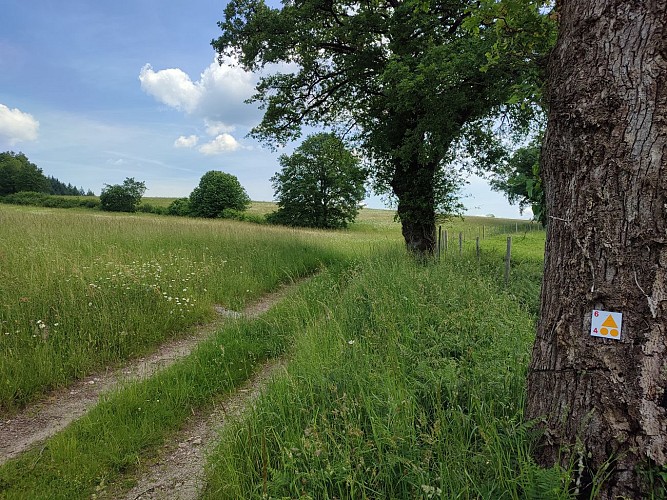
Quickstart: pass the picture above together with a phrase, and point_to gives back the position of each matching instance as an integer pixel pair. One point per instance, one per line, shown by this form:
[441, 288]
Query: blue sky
[94, 92]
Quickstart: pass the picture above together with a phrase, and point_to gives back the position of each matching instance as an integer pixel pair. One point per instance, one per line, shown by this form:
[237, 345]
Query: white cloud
[216, 128]
[172, 87]
[221, 144]
[186, 142]
[217, 97]
[17, 126]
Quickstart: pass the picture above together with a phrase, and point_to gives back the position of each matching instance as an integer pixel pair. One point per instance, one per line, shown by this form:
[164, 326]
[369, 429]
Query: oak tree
[320, 185]
[602, 400]
[406, 78]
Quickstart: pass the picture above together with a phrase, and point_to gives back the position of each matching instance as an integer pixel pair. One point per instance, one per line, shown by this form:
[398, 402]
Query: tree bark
[602, 402]
[414, 186]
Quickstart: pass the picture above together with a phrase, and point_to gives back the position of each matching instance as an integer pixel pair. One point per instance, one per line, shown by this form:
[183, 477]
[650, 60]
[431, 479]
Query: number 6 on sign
[606, 324]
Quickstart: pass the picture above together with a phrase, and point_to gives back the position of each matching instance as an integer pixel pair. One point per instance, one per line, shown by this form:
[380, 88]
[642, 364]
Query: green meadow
[84, 290]
[403, 379]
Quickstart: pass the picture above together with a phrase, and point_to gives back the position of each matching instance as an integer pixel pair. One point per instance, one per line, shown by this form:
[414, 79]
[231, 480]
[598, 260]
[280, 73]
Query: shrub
[25, 198]
[89, 203]
[179, 207]
[60, 202]
[217, 191]
[50, 201]
[230, 213]
[151, 209]
[122, 197]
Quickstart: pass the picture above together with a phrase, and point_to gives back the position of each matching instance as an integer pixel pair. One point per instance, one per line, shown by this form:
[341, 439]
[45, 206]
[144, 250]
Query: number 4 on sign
[606, 324]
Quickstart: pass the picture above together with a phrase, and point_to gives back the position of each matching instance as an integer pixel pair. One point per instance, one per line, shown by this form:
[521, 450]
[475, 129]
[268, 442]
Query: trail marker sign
[606, 324]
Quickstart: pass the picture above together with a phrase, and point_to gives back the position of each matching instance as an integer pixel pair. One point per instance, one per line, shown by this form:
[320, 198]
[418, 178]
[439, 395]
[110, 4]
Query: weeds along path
[43, 419]
[178, 472]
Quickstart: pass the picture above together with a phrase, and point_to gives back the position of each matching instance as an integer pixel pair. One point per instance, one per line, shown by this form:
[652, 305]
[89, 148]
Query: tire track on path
[179, 472]
[41, 420]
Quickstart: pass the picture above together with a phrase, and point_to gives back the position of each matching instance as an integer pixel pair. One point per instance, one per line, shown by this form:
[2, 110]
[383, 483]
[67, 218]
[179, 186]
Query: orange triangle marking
[609, 322]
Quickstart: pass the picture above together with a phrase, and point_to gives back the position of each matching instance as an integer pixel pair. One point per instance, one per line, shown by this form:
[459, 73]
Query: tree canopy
[519, 178]
[60, 188]
[17, 174]
[320, 185]
[405, 78]
[122, 197]
[217, 191]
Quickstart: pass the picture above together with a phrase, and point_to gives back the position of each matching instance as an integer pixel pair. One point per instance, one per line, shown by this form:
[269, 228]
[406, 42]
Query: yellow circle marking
[604, 331]
[614, 333]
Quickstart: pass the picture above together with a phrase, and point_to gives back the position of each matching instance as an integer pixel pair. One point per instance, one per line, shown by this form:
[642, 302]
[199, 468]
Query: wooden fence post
[508, 258]
[439, 241]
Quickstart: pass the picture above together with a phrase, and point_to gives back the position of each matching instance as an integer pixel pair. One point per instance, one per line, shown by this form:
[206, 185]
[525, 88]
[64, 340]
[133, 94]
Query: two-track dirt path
[43, 419]
[178, 472]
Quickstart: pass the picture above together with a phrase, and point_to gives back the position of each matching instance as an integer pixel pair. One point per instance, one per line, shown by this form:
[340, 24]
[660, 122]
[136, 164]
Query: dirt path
[43, 419]
[179, 471]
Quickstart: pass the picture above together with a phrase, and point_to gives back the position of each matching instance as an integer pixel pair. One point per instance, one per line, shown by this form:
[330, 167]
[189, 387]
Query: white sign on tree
[606, 324]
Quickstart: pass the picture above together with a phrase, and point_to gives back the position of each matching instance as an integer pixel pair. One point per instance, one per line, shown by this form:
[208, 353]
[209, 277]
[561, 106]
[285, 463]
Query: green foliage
[179, 207]
[217, 191]
[407, 78]
[519, 178]
[148, 208]
[58, 187]
[50, 201]
[18, 174]
[320, 185]
[230, 213]
[122, 197]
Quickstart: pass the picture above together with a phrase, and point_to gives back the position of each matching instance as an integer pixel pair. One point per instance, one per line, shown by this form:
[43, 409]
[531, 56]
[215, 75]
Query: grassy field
[85, 289]
[410, 385]
[405, 380]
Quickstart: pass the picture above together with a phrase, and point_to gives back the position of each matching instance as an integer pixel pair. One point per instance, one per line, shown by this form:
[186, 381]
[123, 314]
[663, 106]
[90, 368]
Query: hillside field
[402, 379]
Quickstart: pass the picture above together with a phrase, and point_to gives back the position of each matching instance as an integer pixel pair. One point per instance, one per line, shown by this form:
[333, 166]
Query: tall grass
[411, 385]
[526, 264]
[404, 381]
[114, 438]
[82, 290]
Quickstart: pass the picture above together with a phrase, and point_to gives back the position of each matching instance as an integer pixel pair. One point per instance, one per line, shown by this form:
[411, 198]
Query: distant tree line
[60, 188]
[18, 174]
[320, 185]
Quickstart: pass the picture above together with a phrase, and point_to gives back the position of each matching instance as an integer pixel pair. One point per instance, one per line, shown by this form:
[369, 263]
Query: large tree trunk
[603, 401]
[413, 184]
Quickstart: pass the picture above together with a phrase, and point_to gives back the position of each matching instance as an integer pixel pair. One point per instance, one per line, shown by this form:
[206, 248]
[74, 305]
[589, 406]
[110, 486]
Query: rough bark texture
[414, 186]
[604, 401]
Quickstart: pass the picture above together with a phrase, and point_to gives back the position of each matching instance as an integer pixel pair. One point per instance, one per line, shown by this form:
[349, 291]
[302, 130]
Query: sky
[94, 92]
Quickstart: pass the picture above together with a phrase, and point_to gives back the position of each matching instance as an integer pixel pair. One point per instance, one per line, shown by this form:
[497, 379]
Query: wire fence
[471, 241]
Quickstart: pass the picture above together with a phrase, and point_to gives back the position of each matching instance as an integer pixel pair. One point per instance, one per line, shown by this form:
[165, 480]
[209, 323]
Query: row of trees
[320, 185]
[17, 174]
